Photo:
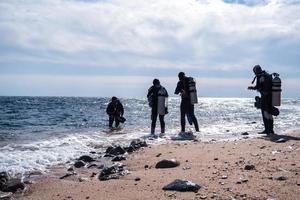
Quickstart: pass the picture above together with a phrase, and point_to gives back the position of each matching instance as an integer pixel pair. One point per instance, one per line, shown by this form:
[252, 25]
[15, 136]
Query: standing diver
[157, 98]
[115, 112]
[264, 86]
[186, 106]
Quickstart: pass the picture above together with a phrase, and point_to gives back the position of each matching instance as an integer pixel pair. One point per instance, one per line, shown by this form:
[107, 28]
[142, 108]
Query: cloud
[216, 39]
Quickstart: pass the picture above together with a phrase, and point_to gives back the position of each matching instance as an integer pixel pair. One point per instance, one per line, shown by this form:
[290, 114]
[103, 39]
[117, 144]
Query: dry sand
[217, 166]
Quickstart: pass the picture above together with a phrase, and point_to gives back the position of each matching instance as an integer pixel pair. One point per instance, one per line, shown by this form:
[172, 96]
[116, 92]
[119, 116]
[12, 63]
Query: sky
[117, 47]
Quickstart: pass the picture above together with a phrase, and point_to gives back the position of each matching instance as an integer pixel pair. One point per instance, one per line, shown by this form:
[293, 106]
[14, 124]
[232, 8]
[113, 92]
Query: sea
[39, 132]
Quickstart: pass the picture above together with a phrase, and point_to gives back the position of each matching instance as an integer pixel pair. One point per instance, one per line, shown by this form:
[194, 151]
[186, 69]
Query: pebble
[281, 178]
[224, 177]
[249, 167]
[137, 179]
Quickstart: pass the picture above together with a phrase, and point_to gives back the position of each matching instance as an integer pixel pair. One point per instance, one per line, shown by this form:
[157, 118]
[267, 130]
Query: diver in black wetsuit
[114, 110]
[153, 93]
[186, 108]
[264, 86]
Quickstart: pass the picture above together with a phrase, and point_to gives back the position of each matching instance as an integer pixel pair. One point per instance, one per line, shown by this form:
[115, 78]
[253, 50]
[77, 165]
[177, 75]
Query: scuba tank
[192, 90]
[162, 101]
[276, 90]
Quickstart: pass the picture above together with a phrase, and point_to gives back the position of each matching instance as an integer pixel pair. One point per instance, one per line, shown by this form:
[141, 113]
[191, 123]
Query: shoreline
[217, 166]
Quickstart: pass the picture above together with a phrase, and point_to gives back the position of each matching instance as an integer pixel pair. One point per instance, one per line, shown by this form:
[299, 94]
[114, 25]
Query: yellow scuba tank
[192, 90]
[276, 90]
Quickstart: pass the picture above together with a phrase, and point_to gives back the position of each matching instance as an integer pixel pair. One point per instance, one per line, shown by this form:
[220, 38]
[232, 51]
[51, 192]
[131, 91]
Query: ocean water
[39, 132]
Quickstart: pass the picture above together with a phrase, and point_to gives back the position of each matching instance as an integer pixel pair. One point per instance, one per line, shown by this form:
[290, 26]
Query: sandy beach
[217, 166]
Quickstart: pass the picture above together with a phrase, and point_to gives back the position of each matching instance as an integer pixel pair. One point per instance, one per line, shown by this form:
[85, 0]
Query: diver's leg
[153, 118]
[110, 121]
[192, 113]
[182, 116]
[162, 123]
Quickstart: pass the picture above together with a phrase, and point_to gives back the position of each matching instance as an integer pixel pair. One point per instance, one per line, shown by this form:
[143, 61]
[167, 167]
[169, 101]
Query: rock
[137, 179]
[86, 158]
[118, 158]
[167, 164]
[13, 184]
[138, 143]
[249, 167]
[298, 183]
[79, 164]
[224, 177]
[129, 149]
[216, 158]
[158, 155]
[281, 178]
[182, 186]
[146, 166]
[118, 150]
[3, 179]
[245, 133]
[281, 140]
[112, 172]
[5, 195]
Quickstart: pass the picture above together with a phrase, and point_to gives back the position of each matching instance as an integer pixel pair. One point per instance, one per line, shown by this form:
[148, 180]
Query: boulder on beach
[13, 184]
[3, 179]
[115, 150]
[111, 172]
[182, 186]
[167, 163]
[138, 143]
[79, 164]
[86, 158]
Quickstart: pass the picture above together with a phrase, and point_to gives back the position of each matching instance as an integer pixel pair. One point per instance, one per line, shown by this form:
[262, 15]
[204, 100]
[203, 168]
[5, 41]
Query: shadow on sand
[280, 138]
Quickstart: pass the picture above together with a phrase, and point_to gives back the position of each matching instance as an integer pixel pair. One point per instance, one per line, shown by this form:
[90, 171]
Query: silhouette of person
[114, 110]
[186, 107]
[157, 101]
[264, 87]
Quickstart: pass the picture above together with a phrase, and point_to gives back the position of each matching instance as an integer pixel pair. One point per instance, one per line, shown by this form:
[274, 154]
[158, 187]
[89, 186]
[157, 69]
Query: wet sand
[219, 167]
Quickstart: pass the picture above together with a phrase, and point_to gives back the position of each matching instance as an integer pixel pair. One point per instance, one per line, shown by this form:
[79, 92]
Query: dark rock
[216, 158]
[13, 184]
[79, 164]
[281, 140]
[158, 155]
[4, 177]
[137, 179]
[118, 150]
[167, 163]
[112, 172]
[86, 158]
[249, 167]
[138, 143]
[182, 186]
[245, 133]
[93, 174]
[93, 152]
[146, 166]
[281, 178]
[118, 158]
[129, 149]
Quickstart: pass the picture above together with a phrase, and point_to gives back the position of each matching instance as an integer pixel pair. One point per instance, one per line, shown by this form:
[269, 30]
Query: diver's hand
[251, 88]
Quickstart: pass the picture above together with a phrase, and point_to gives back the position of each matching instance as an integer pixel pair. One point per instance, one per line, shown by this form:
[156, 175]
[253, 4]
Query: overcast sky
[117, 47]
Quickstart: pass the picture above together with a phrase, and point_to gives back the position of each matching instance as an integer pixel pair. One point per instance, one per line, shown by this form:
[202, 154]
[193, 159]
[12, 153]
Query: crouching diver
[264, 87]
[158, 99]
[115, 112]
[186, 106]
